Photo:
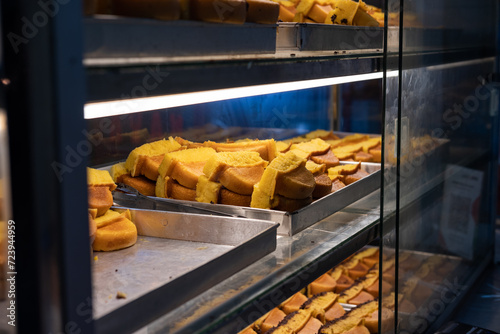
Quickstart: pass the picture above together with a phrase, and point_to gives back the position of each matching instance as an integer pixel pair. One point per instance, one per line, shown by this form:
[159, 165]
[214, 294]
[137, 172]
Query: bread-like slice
[293, 303]
[100, 198]
[323, 134]
[116, 234]
[328, 159]
[343, 282]
[295, 321]
[136, 158]
[371, 143]
[264, 191]
[262, 11]
[142, 184]
[178, 191]
[341, 325]
[312, 326]
[187, 144]
[371, 321]
[296, 184]
[161, 187]
[207, 191]
[302, 154]
[185, 166]
[319, 303]
[283, 146]
[323, 186]
[108, 218]
[150, 166]
[118, 170]
[345, 156]
[343, 170]
[315, 168]
[377, 153]
[265, 148]
[363, 157]
[361, 298]
[315, 146]
[334, 312]
[273, 318]
[336, 184]
[324, 283]
[96, 177]
[93, 213]
[348, 179]
[231, 198]
[282, 203]
[237, 171]
[351, 148]
[354, 138]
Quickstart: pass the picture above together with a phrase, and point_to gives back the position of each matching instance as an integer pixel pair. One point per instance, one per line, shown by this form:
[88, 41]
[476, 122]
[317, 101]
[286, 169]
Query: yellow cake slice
[185, 166]
[118, 170]
[316, 146]
[136, 158]
[96, 177]
[343, 12]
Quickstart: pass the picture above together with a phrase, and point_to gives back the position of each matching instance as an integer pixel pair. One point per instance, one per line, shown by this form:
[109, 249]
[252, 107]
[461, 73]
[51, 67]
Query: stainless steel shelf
[297, 261]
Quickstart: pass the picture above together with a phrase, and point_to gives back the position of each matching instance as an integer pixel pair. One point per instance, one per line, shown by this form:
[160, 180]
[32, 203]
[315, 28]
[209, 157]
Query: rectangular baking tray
[109, 37]
[158, 274]
[328, 37]
[290, 222]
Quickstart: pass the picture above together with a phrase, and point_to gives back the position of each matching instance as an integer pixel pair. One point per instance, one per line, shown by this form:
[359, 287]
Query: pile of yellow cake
[344, 12]
[284, 175]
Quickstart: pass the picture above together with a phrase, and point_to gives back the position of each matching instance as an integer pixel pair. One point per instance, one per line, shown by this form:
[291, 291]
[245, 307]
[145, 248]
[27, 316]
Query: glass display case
[84, 91]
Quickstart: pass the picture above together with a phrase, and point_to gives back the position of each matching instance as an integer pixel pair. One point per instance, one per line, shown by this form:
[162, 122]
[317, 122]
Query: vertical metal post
[42, 41]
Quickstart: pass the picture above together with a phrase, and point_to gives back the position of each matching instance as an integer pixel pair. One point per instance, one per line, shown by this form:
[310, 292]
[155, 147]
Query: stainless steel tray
[290, 222]
[191, 254]
[324, 37]
[109, 37]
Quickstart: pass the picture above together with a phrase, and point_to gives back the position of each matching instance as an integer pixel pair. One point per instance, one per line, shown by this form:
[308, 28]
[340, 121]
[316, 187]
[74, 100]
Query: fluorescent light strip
[128, 106]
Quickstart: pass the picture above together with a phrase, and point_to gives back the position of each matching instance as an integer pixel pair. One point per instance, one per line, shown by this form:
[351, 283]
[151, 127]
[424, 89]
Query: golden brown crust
[363, 157]
[328, 159]
[348, 179]
[142, 184]
[290, 205]
[337, 185]
[231, 198]
[120, 234]
[323, 186]
[177, 191]
[241, 180]
[100, 198]
[150, 166]
[297, 184]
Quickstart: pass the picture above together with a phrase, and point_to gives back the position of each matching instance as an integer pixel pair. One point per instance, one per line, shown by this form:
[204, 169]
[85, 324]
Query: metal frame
[45, 97]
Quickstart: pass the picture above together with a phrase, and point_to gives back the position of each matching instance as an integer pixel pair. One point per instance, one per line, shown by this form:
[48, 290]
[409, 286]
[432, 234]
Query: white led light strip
[128, 106]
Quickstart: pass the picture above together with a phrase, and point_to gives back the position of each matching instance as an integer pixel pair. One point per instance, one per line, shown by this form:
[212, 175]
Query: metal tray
[324, 37]
[109, 37]
[290, 222]
[191, 254]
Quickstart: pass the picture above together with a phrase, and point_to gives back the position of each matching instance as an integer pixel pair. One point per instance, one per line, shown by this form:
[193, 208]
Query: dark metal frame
[44, 102]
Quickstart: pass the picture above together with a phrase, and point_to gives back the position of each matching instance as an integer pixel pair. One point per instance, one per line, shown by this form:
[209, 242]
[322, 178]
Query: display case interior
[396, 121]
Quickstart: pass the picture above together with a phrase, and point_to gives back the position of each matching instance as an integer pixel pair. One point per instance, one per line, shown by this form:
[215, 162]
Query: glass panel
[446, 123]
[389, 203]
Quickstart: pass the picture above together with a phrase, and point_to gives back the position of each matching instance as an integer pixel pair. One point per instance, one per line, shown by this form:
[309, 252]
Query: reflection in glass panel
[278, 116]
[446, 132]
